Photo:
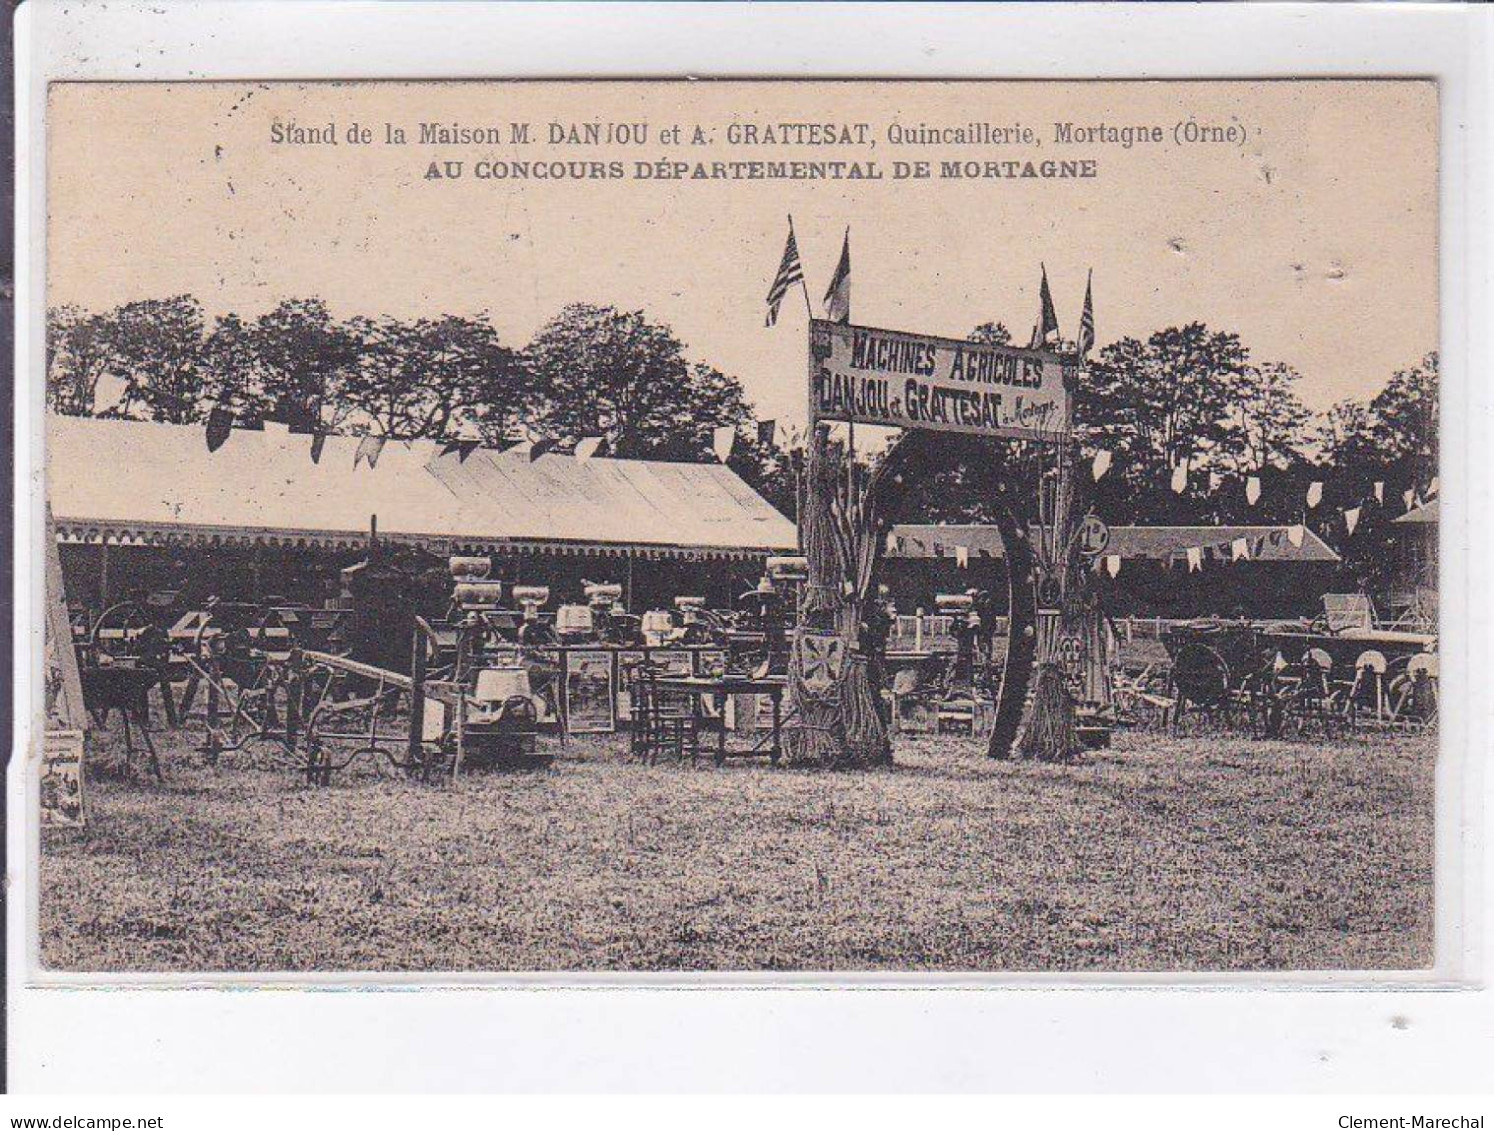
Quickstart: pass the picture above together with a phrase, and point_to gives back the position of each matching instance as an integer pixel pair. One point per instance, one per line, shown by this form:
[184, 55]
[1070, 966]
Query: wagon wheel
[113, 635]
[1265, 701]
[1413, 692]
[1200, 677]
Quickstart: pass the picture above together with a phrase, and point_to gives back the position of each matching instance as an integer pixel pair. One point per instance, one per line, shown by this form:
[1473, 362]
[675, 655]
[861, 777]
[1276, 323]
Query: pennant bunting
[1434, 486]
[1351, 518]
[369, 448]
[962, 557]
[1296, 534]
[1314, 493]
[589, 447]
[1253, 490]
[1112, 564]
[318, 442]
[1410, 496]
[1380, 491]
[723, 439]
[1195, 558]
[1239, 548]
[219, 427]
[1100, 466]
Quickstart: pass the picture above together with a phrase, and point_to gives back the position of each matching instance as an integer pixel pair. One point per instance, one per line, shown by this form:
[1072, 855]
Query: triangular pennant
[466, 448]
[1195, 559]
[539, 448]
[1314, 493]
[318, 442]
[1112, 564]
[219, 427]
[723, 439]
[1239, 548]
[1296, 534]
[1180, 478]
[1379, 491]
[369, 448]
[1351, 518]
[1101, 465]
[1253, 490]
[962, 556]
[588, 447]
[1410, 496]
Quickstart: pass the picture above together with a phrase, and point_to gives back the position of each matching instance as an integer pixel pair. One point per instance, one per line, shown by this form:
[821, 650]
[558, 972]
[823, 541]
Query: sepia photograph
[716, 527]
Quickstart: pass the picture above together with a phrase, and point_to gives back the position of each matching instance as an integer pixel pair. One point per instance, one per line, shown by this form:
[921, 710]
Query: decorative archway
[905, 471]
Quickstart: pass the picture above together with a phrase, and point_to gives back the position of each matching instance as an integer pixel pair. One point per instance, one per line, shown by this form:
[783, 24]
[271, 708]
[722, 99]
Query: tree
[599, 371]
[304, 358]
[1345, 434]
[1269, 421]
[231, 374]
[991, 334]
[426, 379]
[1159, 403]
[1405, 416]
[80, 352]
[159, 354]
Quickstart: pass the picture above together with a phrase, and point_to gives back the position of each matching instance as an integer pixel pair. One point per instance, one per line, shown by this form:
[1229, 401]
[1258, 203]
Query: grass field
[1162, 853]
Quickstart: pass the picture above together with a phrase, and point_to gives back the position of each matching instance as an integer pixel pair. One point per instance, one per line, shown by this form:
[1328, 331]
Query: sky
[1311, 231]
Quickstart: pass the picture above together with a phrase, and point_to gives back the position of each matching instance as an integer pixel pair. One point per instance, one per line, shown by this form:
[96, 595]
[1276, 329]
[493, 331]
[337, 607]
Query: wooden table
[720, 688]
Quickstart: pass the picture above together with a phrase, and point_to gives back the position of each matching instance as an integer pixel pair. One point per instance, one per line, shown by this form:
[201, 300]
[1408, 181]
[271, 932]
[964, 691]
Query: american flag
[790, 271]
[1087, 319]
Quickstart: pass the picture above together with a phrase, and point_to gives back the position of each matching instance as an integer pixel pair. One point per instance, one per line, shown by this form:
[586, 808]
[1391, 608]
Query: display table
[722, 687]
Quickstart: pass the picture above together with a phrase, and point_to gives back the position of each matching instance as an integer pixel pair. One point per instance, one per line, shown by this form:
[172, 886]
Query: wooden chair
[663, 721]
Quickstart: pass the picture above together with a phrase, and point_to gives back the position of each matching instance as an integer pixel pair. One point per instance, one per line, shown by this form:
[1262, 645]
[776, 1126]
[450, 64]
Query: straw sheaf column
[838, 720]
[1051, 734]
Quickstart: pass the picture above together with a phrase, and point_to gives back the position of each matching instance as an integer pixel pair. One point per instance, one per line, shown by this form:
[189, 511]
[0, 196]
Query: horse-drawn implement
[1283, 678]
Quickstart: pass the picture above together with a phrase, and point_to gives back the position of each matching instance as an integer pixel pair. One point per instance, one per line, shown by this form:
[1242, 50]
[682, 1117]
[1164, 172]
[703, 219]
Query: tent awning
[135, 482]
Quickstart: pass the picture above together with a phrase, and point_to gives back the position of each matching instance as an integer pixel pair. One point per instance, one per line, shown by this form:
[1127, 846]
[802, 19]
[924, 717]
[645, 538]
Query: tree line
[1186, 395]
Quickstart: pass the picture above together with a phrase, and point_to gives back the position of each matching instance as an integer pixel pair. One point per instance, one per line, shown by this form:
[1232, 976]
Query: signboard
[590, 693]
[874, 376]
[61, 785]
[1093, 536]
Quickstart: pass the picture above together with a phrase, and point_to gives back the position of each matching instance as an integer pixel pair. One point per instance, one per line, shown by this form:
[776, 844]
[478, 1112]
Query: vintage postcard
[814, 527]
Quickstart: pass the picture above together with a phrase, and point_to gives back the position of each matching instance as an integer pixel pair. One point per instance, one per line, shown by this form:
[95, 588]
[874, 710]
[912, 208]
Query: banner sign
[873, 376]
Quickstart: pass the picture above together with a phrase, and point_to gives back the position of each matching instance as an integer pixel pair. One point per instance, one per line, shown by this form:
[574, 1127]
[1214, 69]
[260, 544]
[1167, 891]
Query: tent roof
[135, 481]
[1158, 543]
[1426, 513]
